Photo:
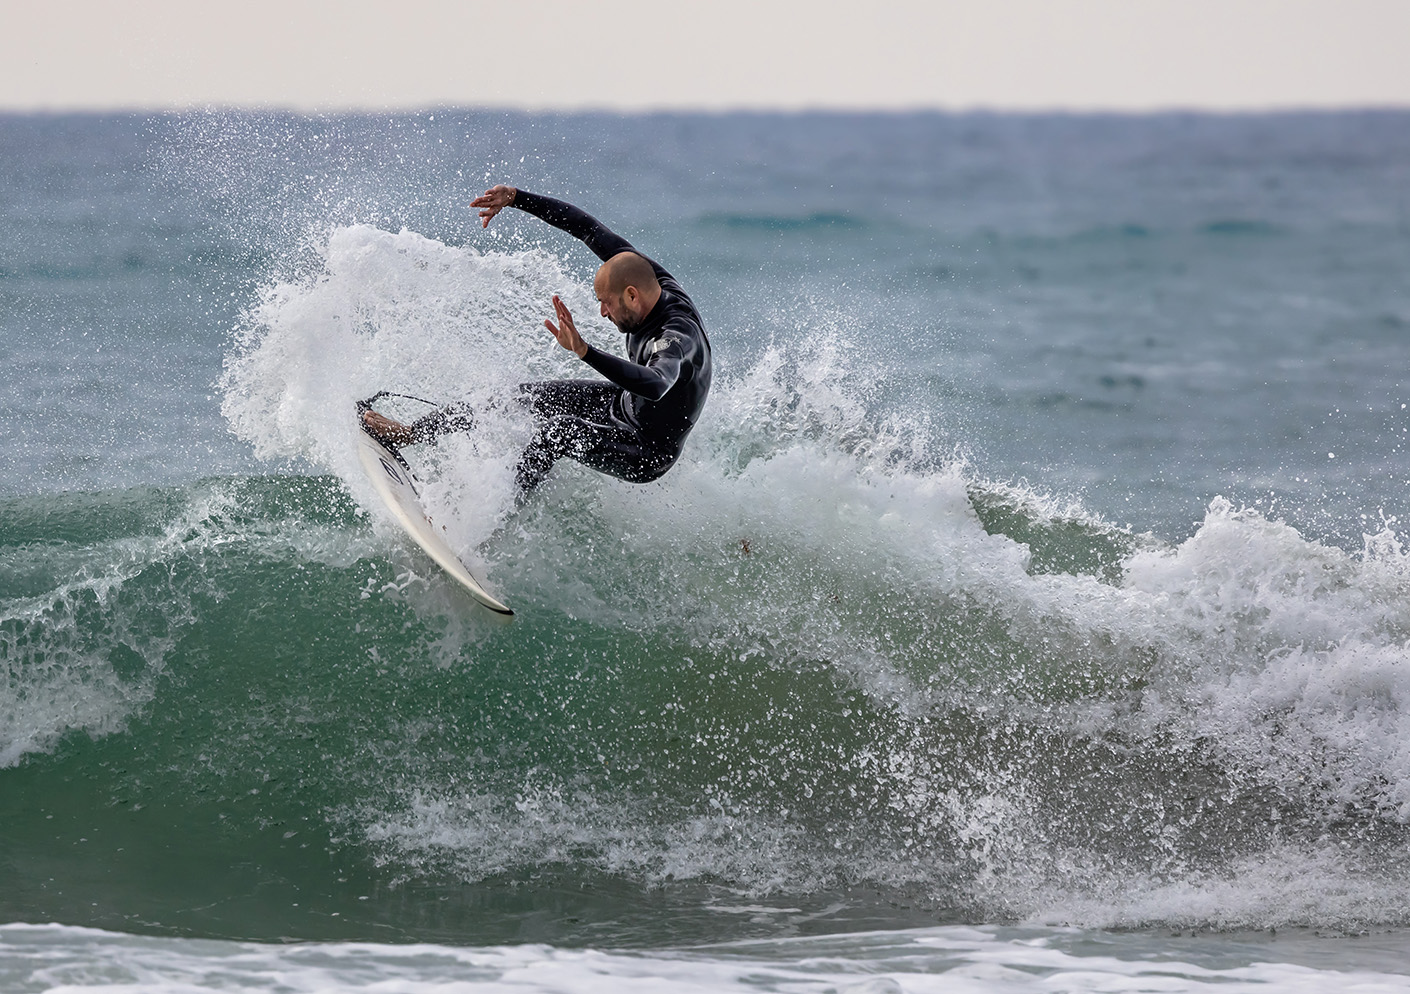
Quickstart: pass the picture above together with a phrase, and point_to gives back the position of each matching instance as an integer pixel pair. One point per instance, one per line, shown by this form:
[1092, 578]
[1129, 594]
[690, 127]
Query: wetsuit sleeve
[652, 380]
[603, 241]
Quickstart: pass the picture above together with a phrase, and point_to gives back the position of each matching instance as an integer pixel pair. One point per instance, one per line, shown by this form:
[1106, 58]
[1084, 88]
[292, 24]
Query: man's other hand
[565, 331]
[492, 201]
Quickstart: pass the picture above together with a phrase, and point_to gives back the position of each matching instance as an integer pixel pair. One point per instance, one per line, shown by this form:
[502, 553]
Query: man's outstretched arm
[604, 242]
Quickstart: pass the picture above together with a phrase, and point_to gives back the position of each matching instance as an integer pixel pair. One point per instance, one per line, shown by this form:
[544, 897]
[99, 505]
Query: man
[631, 426]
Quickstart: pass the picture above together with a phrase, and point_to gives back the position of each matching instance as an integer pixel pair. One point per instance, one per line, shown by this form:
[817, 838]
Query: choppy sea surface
[1029, 611]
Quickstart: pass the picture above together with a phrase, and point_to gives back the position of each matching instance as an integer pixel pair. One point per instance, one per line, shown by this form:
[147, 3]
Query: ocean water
[1029, 611]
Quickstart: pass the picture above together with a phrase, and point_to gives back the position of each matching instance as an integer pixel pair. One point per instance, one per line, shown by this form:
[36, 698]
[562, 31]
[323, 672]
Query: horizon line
[704, 110]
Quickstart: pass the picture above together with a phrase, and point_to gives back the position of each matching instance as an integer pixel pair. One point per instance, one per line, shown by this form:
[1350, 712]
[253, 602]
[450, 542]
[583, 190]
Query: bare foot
[385, 430]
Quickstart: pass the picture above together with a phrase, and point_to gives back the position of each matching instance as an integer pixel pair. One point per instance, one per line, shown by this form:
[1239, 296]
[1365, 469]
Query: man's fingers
[496, 197]
[564, 331]
[492, 201]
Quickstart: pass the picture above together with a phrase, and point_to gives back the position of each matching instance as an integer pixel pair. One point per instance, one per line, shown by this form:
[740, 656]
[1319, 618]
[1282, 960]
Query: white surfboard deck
[394, 484]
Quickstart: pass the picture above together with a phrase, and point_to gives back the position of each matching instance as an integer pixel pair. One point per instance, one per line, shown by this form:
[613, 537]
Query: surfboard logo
[391, 470]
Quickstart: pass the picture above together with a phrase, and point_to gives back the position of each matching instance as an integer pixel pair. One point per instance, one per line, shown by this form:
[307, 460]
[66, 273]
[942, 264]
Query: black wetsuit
[634, 426]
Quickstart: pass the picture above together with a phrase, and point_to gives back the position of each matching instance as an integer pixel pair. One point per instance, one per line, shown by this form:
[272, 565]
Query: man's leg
[442, 421]
[575, 420]
[394, 434]
[566, 412]
[588, 399]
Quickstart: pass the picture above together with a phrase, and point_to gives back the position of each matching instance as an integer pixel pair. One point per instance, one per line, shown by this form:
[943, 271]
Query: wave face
[824, 665]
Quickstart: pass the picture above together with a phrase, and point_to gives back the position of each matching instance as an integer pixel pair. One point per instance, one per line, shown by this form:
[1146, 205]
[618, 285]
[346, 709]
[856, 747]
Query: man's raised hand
[492, 201]
[565, 331]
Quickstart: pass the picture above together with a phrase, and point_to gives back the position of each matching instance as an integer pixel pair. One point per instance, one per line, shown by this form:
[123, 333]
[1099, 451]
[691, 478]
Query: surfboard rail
[391, 478]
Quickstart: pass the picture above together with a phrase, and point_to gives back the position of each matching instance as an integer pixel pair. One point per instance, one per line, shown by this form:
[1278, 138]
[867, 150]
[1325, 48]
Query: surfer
[634, 424]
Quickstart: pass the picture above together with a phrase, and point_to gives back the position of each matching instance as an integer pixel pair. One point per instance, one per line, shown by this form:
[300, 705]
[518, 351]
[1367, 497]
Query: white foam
[1286, 886]
[39, 959]
[479, 835]
[1293, 656]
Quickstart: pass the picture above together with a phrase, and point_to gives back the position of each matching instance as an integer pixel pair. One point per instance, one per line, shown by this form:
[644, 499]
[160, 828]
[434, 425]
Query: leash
[363, 406]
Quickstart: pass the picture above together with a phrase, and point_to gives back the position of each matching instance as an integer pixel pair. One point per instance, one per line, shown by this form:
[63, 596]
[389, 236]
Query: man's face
[615, 306]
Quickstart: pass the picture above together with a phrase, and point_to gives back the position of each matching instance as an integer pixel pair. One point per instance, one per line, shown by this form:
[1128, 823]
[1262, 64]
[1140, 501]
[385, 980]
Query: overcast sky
[630, 54]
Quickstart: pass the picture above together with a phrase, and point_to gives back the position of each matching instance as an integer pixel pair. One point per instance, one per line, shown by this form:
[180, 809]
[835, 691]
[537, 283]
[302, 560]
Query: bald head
[627, 289]
[628, 269]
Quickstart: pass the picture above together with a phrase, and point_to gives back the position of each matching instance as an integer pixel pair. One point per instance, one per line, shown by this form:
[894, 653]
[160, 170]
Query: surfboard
[392, 479]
